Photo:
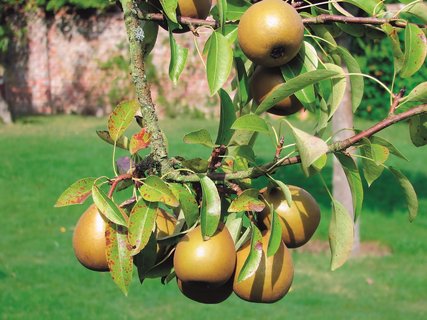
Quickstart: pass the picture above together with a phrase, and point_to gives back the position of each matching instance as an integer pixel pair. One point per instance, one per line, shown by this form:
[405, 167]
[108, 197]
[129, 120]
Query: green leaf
[418, 9]
[141, 223]
[341, 235]
[77, 193]
[323, 32]
[243, 151]
[306, 60]
[118, 256]
[409, 192]
[275, 233]
[354, 181]
[201, 136]
[395, 46]
[107, 207]
[372, 7]
[415, 50]
[219, 61]
[236, 8]
[121, 118]
[418, 130]
[372, 169]
[255, 255]
[242, 81]
[155, 189]
[356, 82]
[285, 190]
[222, 11]
[210, 210]
[146, 259]
[338, 88]
[292, 86]
[169, 8]
[178, 59]
[248, 200]
[198, 165]
[234, 225]
[310, 147]
[187, 202]
[227, 118]
[418, 94]
[122, 142]
[250, 122]
[383, 142]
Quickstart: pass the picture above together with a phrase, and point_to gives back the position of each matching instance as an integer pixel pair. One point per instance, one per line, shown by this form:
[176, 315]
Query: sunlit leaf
[121, 118]
[248, 200]
[418, 94]
[118, 256]
[255, 255]
[187, 202]
[201, 136]
[341, 235]
[234, 225]
[107, 207]
[275, 233]
[77, 193]
[141, 223]
[178, 59]
[122, 142]
[398, 57]
[139, 141]
[227, 118]
[415, 50]
[250, 122]
[243, 151]
[210, 211]
[155, 189]
[169, 8]
[409, 192]
[338, 88]
[383, 142]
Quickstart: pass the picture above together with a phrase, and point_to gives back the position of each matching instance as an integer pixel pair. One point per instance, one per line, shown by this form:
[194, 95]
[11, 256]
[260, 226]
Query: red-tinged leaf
[77, 193]
[141, 223]
[254, 258]
[247, 201]
[107, 207]
[119, 256]
[121, 117]
[155, 189]
[139, 141]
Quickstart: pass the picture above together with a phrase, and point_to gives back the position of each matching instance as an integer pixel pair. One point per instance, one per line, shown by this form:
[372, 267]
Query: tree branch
[256, 172]
[137, 66]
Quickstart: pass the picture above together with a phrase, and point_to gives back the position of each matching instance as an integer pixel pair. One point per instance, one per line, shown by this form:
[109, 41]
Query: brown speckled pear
[270, 33]
[300, 221]
[204, 292]
[273, 278]
[89, 240]
[211, 261]
[263, 82]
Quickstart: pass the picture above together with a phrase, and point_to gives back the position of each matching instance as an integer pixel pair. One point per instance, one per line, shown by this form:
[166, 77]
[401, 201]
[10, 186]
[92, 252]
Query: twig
[279, 149]
[216, 157]
[116, 181]
[396, 100]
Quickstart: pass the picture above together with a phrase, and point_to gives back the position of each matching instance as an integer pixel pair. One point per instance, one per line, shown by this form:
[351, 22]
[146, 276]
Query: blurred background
[63, 67]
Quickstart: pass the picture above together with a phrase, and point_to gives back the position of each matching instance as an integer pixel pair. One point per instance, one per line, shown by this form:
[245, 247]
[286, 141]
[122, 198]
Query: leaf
[219, 61]
[409, 192]
[285, 190]
[155, 189]
[197, 165]
[250, 122]
[169, 8]
[146, 259]
[227, 118]
[139, 141]
[141, 223]
[178, 58]
[415, 50]
[418, 130]
[292, 86]
[275, 233]
[395, 46]
[107, 207]
[418, 94]
[187, 202]
[341, 235]
[354, 181]
[324, 32]
[371, 168]
[122, 142]
[234, 225]
[338, 88]
[201, 136]
[372, 7]
[255, 255]
[121, 118]
[118, 256]
[244, 151]
[248, 200]
[222, 11]
[77, 193]
[306, 60]
[236, 8]
[310, 147]
[356, 82]
[242, 81]
[210, 210]
[383, 142]
[418, 9]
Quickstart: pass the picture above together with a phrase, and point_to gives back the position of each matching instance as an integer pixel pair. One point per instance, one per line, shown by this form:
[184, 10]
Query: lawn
[41, 279]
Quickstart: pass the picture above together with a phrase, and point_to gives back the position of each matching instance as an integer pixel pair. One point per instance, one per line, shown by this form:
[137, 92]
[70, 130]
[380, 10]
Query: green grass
[41, 279]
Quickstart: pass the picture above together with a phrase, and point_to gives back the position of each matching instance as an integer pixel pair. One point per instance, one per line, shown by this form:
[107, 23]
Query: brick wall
[56, 68]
